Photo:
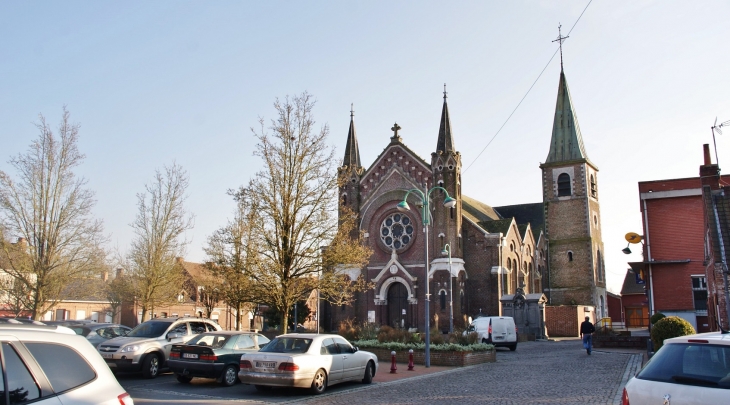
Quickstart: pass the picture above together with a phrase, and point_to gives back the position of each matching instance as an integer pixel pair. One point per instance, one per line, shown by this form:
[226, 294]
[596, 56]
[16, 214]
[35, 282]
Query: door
[397, 306]
[351, 367]
[329, 349]
[499, 330]
[637, 317]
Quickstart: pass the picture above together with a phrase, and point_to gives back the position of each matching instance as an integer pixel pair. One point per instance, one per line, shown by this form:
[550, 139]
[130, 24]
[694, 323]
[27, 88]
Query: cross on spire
[352, 110]
[445, 91]
[395, 129]
[560, 41]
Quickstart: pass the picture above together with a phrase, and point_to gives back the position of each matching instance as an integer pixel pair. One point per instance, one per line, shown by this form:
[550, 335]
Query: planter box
[438, 358]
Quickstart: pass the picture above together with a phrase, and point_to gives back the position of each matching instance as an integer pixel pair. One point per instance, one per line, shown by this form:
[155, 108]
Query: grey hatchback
[97, 333]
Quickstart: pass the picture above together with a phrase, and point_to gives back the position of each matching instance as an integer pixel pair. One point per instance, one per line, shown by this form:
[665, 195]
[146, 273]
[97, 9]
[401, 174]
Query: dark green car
[213, 355]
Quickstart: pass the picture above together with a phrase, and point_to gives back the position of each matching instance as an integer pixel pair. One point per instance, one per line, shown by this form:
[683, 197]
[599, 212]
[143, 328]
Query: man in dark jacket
[586, 332]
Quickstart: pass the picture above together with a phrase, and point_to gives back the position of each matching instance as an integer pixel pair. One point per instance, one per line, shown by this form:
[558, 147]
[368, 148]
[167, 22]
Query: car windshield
[149, 329]
[691, 364]
[287, 345]
[208, 339]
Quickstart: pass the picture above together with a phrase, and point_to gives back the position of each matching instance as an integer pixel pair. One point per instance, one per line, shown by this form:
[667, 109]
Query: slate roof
[498, 226]
[534, 214]
[352, 151]
[446, 139]
[630, 287]
[91, 289]
[477, 211]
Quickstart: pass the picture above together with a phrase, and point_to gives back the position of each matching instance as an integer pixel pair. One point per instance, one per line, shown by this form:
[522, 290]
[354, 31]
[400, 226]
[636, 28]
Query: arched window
[564, 185]
[570, 256]
[442, 299]
[594, 193]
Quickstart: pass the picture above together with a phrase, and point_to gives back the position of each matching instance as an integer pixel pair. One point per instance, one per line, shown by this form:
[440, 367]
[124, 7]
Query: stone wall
[627, 342]
[438, 358]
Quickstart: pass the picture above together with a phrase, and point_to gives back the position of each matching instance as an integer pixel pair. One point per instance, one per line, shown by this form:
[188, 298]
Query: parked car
[307, 360]
[10, 320]
[213, 355]
[69, 322]
[146, 348]
[96, 333]
[37, 360]
[689, 370]
[497, 330]
[29, 321]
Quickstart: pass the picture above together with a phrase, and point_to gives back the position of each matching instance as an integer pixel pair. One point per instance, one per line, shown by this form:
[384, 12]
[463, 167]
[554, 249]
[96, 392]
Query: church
[551, 247]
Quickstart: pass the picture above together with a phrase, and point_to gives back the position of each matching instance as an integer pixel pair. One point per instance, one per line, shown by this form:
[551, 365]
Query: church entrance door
[397, 306]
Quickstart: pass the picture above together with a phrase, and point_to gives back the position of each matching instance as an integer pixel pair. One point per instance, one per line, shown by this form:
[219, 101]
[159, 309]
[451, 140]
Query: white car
[307, 360]
[688, 370]
[52, 365]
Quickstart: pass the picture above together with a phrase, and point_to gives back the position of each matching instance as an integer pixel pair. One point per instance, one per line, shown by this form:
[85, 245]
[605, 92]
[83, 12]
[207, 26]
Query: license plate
[499, 337]
[266, 364]
[107, 355]
[190, 355]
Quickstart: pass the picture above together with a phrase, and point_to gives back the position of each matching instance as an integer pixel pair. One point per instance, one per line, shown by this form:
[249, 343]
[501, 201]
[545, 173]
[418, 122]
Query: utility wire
[528, 92]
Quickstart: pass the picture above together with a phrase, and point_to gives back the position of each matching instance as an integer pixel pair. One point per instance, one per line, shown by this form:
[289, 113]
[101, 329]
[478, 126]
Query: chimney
[22, 244]
[709, 173]
[105, 276]
[120, 272]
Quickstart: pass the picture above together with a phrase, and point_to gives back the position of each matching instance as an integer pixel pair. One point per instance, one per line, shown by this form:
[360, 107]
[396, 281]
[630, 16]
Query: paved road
[537, 373]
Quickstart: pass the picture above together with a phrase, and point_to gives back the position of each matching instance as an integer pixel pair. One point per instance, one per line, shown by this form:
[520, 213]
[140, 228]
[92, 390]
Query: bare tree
[296, 204]
[233, 252]
[117, 292]
[156, 275]
[49, 207]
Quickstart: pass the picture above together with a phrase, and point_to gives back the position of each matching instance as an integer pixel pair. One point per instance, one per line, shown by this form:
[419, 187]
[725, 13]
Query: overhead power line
[528, 90]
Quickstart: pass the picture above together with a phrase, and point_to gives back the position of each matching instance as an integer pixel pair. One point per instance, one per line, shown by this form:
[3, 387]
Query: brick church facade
[552, 247]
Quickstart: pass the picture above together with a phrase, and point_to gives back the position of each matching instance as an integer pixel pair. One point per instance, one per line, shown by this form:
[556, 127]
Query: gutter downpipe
[724, 268]
[649, 258]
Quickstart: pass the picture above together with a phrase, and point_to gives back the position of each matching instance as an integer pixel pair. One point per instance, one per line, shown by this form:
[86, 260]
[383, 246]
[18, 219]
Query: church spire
[446, 140]
[352, 151]
[567, 142]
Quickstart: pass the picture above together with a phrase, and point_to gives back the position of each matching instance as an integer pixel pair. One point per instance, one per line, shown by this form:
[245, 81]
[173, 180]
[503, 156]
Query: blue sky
[156, 82]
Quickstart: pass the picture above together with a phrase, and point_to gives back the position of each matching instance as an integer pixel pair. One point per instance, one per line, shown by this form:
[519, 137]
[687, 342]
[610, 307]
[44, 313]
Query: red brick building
[495, 251]
[677, 248]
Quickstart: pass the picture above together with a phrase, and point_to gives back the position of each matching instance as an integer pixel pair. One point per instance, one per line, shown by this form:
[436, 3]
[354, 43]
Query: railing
[605, 323]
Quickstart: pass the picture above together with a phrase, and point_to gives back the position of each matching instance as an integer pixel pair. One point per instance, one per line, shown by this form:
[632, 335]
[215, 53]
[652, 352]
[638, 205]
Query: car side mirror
[355, 348]
[173, 335]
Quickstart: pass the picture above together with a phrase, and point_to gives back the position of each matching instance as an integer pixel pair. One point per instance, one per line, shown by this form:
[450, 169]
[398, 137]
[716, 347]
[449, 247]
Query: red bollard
[392, 363]
[410, 360]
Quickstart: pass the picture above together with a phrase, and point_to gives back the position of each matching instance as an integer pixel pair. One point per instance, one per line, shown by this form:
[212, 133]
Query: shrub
[669, 327]
[389, 334]
[348, 330]
[397, 346]
[657, 317]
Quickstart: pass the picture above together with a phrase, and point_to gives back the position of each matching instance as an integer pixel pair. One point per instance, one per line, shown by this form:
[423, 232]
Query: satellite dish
[633, 237]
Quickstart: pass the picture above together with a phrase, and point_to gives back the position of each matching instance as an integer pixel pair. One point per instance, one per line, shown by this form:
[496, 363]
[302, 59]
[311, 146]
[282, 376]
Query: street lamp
[403, 207]
[447, 251]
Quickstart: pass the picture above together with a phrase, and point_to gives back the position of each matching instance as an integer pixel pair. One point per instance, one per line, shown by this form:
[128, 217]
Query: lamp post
[403, 206]
[447, 251]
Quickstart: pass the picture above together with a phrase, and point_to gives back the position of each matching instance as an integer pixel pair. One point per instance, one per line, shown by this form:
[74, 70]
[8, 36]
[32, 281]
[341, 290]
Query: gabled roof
[498, 226]
[396, 143]
[566, 143]
[477, 210]
[534, 214]
[446, 140]
[630, 286]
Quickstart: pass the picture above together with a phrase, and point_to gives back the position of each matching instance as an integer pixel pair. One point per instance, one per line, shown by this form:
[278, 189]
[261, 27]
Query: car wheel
[150, 366]
[262, 388]
[513, 347]
[369, 372]
[184, 378]
[319, 383]
[229, 376]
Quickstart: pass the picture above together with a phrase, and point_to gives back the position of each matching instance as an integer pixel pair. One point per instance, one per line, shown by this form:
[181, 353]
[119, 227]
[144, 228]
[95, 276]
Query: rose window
[396, 231]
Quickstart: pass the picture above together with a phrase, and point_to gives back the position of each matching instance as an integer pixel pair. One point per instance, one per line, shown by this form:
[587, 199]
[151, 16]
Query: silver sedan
[307, 360]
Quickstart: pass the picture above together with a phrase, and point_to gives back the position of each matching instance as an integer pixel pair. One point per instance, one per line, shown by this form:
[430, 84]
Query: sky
[152, 83]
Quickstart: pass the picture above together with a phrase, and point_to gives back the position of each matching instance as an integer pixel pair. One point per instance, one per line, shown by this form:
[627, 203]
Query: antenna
[717, 128]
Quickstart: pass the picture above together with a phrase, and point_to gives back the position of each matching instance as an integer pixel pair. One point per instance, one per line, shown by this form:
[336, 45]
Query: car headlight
[130, 348]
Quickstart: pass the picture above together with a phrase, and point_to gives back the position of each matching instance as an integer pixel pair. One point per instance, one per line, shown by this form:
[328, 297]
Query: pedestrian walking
[586, 332]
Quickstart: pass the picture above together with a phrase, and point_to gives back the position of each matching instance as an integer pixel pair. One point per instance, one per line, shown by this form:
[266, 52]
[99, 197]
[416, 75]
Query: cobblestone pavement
[537, 373]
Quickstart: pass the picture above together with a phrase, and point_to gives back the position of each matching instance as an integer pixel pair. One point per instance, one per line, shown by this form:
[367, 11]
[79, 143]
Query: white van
[496, 330]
